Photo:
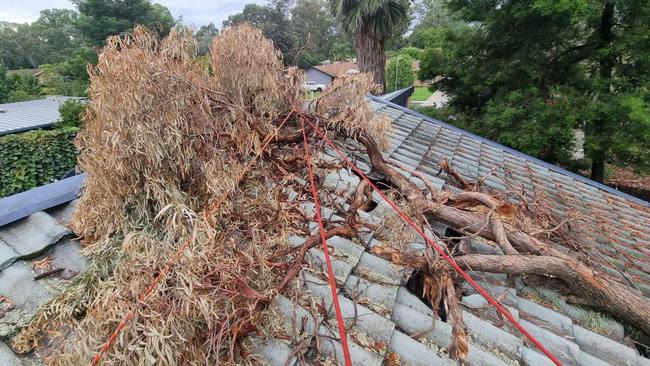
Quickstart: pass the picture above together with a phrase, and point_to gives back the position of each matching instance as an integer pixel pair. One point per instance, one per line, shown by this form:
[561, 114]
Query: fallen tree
[189, 167]
[597, 289]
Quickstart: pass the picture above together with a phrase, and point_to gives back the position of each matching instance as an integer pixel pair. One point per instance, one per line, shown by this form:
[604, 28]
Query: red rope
[330, 272]
[444, 255]
[141, 299]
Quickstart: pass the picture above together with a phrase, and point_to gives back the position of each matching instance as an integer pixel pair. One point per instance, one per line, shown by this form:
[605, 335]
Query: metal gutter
[23, 204]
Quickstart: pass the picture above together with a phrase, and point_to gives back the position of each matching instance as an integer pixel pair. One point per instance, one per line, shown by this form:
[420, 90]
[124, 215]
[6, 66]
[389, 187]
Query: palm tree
[371, 23]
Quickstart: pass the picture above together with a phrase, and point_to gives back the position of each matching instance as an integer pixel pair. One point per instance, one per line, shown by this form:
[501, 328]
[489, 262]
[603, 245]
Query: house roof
[33, 72]
[29, 115]
[383, 314]
[337, 68]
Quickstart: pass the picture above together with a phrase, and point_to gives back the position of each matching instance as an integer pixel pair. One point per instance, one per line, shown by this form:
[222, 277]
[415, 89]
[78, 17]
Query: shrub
[34, 158]
[71, 112]
[405, 75]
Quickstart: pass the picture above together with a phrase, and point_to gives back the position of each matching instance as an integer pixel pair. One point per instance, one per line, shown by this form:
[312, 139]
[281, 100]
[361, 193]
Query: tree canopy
[304, 31]
[101, 18]
[47, 40]
[529, 73]
[372, 23]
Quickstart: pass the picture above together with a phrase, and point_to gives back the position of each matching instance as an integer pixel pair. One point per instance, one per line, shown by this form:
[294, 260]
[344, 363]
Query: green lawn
[309, 95]
[421, 94]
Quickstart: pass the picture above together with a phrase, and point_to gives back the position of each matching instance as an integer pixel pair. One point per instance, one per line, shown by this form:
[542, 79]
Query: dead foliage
[178, 180]
[166, 148]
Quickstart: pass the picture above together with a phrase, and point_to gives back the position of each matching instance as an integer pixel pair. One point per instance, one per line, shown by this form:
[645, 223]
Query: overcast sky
[193, 12]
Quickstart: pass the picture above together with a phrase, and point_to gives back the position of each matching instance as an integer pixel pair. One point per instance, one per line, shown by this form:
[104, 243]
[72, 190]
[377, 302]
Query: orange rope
[323, 239]
[442, 253]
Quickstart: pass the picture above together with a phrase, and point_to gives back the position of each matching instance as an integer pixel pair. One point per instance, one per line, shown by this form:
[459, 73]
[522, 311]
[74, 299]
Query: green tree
[5, 84]
[47, 40]
[431, 14]
[56, 30]
[69, 77]
[274, 22]
[527, 73]
[372, 23]
[204, 37]
[71, 112]
[23, 87]
[102, 18]
[311, 20]
[400, 66]
[341, 51]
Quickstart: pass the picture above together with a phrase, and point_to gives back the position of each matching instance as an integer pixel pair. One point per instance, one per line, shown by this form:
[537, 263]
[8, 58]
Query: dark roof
[29, 115]
[399, 97]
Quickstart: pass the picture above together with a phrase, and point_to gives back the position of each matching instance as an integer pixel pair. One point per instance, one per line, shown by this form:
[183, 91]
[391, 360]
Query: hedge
[34, 158]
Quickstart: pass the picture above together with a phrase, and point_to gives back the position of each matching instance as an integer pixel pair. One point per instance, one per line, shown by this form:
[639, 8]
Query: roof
[32, 72]
[33, 114]
[337, 68]
[614, 224]
[376, 296]
[399, 97]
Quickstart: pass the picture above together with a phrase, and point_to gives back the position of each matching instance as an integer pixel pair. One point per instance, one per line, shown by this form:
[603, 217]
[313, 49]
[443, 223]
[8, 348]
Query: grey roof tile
[565, 350]
[380, 270]
[531, 357]
[379, 297]
[32, 235]
[273, 352]
[412, 352]
[491, 337]
[330, 346]
[604, 348]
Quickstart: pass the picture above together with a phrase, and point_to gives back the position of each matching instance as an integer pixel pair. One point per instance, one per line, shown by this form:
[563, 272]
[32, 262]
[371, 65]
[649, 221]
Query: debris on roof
[202, 239]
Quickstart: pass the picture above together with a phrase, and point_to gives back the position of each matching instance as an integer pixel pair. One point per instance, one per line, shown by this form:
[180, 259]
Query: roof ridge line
[520, 154]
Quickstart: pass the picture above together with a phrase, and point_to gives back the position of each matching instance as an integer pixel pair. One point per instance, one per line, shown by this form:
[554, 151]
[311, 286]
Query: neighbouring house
[30, 115]
[37, 73]
[389, 321]
[326, 73]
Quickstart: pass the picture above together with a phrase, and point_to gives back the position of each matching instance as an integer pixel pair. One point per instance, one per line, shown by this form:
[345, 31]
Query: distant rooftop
[24, 116]
[337, 68]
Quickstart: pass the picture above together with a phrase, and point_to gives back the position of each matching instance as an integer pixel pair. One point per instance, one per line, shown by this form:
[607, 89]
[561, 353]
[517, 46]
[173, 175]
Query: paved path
[437, 99]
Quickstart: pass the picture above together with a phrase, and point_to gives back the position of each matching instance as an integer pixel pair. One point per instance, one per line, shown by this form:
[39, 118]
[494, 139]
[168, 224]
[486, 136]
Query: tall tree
[311, 19]
[372, 23]
[204, 37]
[529, 72]
[101, 18]
[47, 40]
[273, 19]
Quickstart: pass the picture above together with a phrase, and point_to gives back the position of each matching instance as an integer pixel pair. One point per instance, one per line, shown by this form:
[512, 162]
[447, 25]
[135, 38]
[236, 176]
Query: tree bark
[606, 295]
[598, 288]
[371, 56]
[606, 65]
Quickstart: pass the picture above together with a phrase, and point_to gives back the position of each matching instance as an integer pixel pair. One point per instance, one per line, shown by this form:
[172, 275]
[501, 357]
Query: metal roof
[33, 114]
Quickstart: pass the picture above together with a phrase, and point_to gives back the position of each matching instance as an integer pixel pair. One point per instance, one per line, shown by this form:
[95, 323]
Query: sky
[193, 12]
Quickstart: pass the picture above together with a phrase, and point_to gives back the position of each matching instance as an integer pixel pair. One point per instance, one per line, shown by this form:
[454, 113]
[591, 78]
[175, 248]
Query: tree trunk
[598, 166]
[597, 288]
[606, 64]
[371, 56]
[605, 295]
